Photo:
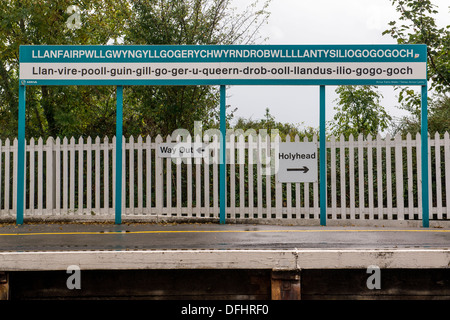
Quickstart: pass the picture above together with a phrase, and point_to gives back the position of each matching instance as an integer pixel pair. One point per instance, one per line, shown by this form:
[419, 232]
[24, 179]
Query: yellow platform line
[212, 231]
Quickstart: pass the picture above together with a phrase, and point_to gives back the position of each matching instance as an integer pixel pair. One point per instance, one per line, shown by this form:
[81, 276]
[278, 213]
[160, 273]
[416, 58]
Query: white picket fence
[77, 177]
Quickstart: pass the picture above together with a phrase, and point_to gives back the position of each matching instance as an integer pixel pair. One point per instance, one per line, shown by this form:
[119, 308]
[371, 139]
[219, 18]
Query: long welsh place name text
[221, 53]
[218, 71]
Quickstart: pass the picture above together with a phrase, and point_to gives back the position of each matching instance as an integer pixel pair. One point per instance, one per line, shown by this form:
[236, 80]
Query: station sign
[223, 65]
[297, 162]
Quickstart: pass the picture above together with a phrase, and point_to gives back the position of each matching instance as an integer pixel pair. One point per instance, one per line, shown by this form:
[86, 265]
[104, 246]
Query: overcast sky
[306, 22]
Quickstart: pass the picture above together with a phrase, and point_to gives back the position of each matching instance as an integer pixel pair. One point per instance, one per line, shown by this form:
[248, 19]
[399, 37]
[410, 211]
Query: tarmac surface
[38, 237]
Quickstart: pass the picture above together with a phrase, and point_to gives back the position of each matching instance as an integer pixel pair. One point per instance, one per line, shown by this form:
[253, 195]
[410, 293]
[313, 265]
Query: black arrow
[304, 169]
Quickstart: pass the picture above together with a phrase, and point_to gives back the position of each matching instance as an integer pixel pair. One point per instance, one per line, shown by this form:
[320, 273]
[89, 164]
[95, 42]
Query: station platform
[231, 261]
[195, 245]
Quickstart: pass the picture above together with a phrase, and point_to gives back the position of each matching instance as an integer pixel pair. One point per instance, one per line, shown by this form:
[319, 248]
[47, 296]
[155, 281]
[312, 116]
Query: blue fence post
[223, 154]
[21, 156]
[323, 163]
[424, 143]
[119, 134]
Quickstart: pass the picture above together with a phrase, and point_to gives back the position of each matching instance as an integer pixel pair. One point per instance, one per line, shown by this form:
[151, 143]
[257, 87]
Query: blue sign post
[119, 134]
[21, 155]
[323, 159]
[223, 155]
[317, 65]
[424, 145]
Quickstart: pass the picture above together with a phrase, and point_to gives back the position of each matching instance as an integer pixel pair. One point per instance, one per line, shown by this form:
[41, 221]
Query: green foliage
[438, 117]
[269, 124]
[194, 22]
[56, 111]
[163, 109]
[417, 25]
[90, 110]
[359, 111]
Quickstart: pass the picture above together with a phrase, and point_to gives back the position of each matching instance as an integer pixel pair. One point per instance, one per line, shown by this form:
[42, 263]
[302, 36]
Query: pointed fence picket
[368, 178]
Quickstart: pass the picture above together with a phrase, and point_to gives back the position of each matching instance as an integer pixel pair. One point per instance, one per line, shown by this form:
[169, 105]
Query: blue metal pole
[21, 156]
[323, 165]
[424, 143]
[119, 134]
[223, 153]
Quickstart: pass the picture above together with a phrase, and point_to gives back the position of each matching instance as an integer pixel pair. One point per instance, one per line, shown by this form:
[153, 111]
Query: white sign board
[181, 150]
[223, 65]
[297, 162]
